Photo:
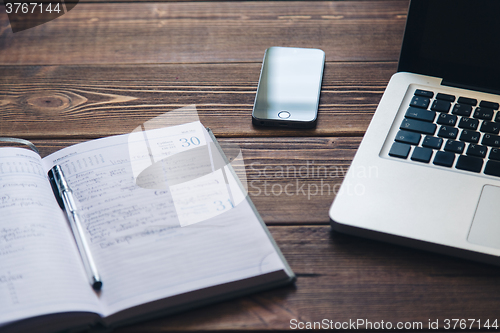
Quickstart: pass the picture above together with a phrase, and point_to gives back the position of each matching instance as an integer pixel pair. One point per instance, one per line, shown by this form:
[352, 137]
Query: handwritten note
[139, 230]
[40, 270]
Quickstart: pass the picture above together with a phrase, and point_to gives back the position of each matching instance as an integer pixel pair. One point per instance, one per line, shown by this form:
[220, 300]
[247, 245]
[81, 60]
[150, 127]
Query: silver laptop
[427, 173]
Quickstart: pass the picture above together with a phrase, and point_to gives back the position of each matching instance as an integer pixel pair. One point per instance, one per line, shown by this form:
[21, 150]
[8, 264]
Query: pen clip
[60, 186]
[53, 183]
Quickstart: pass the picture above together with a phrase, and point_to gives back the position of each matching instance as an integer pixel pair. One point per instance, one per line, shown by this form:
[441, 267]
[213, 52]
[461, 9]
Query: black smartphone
[289, 87]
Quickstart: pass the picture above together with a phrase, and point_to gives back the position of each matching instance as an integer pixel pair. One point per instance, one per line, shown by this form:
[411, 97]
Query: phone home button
[284, 114]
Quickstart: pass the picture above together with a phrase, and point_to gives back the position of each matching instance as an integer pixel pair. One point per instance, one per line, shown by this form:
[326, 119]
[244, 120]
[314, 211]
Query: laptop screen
[457, 40]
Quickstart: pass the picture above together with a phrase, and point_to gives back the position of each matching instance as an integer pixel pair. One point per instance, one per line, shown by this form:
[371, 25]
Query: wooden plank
[183, 32]
[290, 180]
[95, 101]
[342, 278]
[294, 180]
[99, 1]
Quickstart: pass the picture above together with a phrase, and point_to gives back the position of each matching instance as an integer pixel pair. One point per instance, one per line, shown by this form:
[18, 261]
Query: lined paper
[40, 270]
[143, 250]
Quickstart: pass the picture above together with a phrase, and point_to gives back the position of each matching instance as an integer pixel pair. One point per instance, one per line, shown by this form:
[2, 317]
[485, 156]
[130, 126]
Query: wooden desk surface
[106, 67]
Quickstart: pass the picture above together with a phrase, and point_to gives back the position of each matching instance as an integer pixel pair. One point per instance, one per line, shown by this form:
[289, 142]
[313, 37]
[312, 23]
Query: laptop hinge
[469, 87]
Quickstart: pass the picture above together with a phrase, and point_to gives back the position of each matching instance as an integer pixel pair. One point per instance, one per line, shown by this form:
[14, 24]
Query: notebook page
[153, 241]
[40, 270]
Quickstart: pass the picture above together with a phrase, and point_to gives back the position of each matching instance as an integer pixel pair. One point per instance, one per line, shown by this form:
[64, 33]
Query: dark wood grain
[105, 1]
[342, 278]
[294, 180]
[95, 101]
[183, 32]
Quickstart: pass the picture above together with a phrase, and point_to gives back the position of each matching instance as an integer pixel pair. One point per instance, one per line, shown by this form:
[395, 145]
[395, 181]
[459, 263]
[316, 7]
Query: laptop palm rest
[485, 229]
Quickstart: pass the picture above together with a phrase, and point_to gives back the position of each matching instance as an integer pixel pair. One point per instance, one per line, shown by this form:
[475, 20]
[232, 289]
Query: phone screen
[289, 85]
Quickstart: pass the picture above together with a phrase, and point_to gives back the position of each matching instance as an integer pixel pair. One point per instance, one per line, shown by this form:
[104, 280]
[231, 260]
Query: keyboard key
[468, 123]
[483, 113]
[421, 154]
[487, 104]
[424, 93]
[432, 142]
[469, 163]
[470, 136]
[448, 132]
[418, 126]
[497, 117]
[466, 100]
[454, 146]
[420, 102]
[400, 150]
[492, 168]
[408, 137]
[477, 150]
[445, 97]
[444, 158]
[490, 127]
[462, 110]
[494, 154]
[441, 106]
[421, 114]
[491, 140]
[446, 119]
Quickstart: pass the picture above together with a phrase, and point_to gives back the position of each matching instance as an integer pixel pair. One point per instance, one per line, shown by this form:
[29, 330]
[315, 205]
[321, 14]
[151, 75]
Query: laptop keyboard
[450, 132]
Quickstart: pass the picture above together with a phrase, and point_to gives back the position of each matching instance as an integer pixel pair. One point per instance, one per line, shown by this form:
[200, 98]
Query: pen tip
[97, 285]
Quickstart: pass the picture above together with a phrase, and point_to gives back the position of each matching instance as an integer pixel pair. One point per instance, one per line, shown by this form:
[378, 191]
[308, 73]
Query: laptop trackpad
[485, 229]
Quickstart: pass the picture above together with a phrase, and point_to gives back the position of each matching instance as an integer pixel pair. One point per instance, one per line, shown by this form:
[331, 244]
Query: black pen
[67, 202]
